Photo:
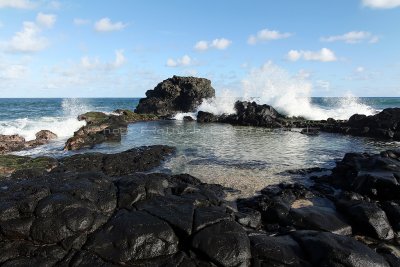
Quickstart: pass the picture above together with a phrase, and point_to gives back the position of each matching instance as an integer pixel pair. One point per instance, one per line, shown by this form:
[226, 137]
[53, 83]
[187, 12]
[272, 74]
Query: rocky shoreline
[107, 209]
[117, 210]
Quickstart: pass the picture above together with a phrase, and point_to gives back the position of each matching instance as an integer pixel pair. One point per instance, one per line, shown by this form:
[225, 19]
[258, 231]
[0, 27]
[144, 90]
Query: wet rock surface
[385, 125]
[101, 127]
[134, 160]
[10, 143]
[174, 95]
[101, 209]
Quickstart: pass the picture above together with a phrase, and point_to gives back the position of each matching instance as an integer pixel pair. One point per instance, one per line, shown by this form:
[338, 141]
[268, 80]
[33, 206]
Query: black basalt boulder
[174, 95]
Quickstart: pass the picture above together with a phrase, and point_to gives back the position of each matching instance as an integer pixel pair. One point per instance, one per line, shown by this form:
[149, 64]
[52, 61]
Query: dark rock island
[174, 95]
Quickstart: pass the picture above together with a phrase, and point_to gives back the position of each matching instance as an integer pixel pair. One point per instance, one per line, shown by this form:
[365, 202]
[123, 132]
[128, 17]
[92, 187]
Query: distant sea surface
[245, 158]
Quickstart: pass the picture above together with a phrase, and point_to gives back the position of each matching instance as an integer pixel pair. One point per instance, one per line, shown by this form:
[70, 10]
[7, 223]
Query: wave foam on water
[63, 125]
[290, 95]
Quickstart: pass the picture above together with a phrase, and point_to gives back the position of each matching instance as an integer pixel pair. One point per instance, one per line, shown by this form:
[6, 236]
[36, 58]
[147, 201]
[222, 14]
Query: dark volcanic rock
[320, 218]
[133, 160]
[102, 210]
[206, 117]
[367, 218]
[276, 251]
[384, 125]
[225, 243]
[131, 236]
[20, 166]
[176, 94]
[100, 128]
[103, 127]
[247, 114]
[252, 114]
[326, 249]
[9, 143]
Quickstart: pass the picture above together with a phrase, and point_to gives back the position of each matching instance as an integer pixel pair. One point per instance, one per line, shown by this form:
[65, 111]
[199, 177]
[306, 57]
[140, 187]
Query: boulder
[132, 236]
[367, 218]
[326, 249]
[45, 135]
[253, 114]
[224, 243]
[276, 251]
[10, 143]
[206, 117]
[174, 95]
[100, 128]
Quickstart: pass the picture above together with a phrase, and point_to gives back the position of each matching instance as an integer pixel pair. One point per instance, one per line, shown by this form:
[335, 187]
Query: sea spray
[64, 124]
[290, 95]
[72, 107]
[222, 104]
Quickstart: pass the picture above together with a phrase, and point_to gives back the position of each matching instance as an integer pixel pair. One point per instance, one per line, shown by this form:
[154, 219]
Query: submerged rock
[174, 95]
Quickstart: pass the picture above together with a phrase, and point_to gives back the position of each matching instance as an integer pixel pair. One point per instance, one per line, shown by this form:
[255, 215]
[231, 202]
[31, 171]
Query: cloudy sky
[123, 48]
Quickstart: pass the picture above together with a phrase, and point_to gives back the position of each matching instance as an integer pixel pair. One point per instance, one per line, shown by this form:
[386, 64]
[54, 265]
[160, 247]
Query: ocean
[245, 158]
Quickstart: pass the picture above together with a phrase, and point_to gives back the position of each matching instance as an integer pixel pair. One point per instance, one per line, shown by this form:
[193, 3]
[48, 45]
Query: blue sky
[123, 48]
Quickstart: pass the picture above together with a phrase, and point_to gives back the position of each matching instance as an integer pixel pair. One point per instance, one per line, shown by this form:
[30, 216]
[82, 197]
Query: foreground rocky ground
[102, 210]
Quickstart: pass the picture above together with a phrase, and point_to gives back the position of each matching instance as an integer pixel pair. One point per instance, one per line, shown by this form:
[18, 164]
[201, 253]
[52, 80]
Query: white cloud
[323, 55]
[27, 40]
[294, 55]
[79, 22]
[352, 37]
[96, 64]
[106, 25]
[381, 4]
[19, 4]
[219, 43]
[201, 46]
[267, 35]
[46, 20]
[183, 61]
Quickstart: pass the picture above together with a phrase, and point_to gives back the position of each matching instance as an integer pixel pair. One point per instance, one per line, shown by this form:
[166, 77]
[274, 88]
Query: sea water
[245, 158]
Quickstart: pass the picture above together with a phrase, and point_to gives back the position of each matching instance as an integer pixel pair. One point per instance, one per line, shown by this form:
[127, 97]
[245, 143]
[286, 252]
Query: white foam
[180, 116]
[64, 126]
[222, 104]
[290, 95]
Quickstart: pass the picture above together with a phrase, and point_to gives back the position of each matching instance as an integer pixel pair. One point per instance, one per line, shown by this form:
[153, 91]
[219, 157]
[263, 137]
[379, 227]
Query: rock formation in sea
[104, 209]
[175, 95]
[101, 127]
[15, 142]
[384, 125]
